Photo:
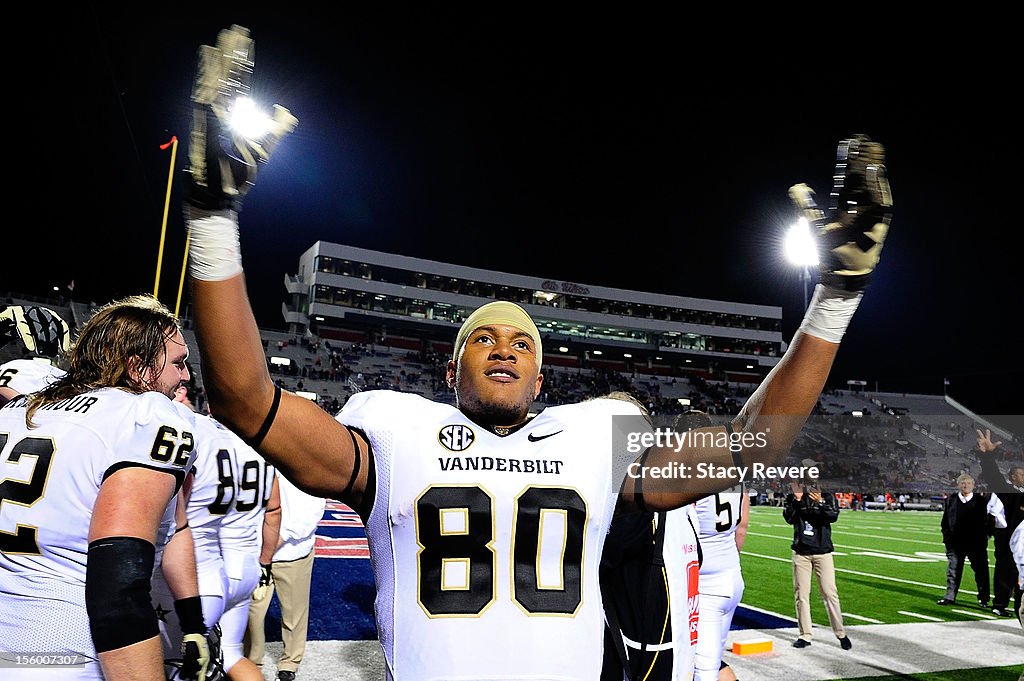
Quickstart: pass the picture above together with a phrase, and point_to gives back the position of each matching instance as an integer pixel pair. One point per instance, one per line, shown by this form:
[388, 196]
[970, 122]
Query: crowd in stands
[884, 450]
[880, 452]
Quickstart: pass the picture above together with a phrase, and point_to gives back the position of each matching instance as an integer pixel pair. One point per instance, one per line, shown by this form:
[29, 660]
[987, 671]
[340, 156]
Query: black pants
[1004, 576]
[956, 556]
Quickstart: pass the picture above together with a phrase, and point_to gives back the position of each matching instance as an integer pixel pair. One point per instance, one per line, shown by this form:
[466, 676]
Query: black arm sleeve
[117, 586]
[993, 476]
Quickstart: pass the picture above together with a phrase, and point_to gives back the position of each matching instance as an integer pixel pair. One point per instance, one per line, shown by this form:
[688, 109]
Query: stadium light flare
[799, 246]
[248, 120]
[801, 250]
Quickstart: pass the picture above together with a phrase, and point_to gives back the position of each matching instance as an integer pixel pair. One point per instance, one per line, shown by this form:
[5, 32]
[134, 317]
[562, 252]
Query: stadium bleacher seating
[871, 441]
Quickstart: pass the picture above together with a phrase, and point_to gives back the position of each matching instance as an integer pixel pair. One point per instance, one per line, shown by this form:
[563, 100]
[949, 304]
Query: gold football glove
[223, 161]
[851, 235]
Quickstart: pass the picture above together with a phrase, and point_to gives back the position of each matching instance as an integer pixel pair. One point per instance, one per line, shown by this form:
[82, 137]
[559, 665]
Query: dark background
[631, 149]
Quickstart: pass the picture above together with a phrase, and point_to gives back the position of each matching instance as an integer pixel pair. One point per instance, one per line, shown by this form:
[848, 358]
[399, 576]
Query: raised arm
[994, 477]
[851, 242]
[294, 434]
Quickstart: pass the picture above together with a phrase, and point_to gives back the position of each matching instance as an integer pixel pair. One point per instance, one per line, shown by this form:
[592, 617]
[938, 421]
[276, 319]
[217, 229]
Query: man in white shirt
[1017, 546]
[291, 575]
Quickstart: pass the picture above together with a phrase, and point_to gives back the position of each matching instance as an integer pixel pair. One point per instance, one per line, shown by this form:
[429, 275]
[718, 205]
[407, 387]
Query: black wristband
[190, 615]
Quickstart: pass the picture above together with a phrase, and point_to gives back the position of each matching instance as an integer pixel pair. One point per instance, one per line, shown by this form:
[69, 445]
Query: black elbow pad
[117, 583]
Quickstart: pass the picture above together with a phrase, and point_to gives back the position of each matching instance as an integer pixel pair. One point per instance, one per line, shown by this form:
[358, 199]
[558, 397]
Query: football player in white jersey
[649, 583]
[24, 376]
[485, 526]
[40, 332]
[232, 508]
[90, 465]
[248, 535]
[649, 569]
[722, 521]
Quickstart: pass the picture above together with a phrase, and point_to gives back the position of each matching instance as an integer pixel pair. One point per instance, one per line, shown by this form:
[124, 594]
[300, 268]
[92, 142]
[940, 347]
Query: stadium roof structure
[339, 289]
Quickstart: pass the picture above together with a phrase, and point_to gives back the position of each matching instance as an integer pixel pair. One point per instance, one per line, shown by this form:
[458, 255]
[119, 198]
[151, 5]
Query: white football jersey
[225, 514]
[721, 580]
[25, 376]
[228, 502]
[301, 514]
[485, 549]
[231, 488]
[718, 516]
[52, 475]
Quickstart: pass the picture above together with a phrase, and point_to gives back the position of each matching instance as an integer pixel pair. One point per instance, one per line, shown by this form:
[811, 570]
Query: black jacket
[993, 477]
[637, 603]
[965, 525]
[812, 522]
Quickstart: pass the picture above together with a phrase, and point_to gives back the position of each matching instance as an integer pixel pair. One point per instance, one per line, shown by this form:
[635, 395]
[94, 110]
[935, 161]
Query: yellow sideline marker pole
[184, 264]
[167, 201]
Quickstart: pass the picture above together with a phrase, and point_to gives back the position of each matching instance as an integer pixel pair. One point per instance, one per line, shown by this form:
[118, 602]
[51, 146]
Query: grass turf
[890, 568]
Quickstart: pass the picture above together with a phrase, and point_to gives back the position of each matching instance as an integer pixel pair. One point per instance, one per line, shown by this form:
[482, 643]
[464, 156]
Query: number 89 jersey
[485, 549]
[231, 488]
[51, 476]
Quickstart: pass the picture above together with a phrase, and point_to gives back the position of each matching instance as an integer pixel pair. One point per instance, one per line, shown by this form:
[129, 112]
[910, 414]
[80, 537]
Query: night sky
[619, 149]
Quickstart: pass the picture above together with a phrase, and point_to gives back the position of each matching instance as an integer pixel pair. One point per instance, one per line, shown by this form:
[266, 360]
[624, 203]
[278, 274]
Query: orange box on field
[757, 645]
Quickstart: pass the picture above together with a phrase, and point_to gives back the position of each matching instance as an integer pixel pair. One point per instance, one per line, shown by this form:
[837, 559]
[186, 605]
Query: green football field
[890, 568]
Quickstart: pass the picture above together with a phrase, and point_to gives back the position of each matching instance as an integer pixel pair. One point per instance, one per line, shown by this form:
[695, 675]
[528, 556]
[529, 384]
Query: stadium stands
[866, 442]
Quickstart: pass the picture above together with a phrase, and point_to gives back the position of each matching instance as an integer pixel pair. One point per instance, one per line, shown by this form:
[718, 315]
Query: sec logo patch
[456, 438]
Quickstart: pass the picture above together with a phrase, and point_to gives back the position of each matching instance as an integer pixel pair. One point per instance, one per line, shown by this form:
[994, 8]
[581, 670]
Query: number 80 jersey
[485, 549]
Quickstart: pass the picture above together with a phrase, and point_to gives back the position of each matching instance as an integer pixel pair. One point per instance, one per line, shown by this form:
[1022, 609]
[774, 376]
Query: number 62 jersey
[485, 549]
[50, 476]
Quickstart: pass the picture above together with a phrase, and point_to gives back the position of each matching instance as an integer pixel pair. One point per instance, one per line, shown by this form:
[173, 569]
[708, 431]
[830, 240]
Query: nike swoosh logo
[537, 438]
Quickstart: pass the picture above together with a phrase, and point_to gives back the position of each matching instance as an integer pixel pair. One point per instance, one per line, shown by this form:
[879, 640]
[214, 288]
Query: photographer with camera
[811, 513]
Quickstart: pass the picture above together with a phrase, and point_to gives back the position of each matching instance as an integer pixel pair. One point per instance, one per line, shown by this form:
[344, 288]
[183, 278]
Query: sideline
[878, 649]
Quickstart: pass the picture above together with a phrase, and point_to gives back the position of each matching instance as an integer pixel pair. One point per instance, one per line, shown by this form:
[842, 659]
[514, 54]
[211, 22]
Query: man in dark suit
[965, 528]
